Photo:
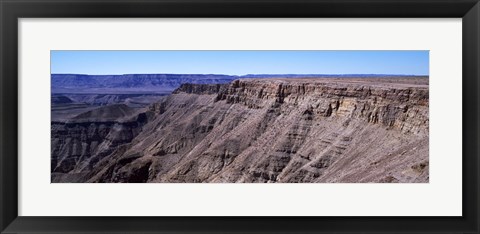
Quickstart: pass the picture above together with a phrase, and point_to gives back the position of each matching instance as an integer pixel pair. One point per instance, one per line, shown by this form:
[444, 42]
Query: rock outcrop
[260, 130]
[201, 88]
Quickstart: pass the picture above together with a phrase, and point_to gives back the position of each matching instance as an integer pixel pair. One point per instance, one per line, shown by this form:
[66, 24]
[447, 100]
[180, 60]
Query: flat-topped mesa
[200, 88]
[402, 106]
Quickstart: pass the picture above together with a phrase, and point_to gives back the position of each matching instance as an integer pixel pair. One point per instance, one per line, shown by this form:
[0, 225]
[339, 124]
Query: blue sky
[240, 62]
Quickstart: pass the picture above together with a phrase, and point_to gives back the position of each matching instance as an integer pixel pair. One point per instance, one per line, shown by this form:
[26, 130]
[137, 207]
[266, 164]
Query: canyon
[245, 130]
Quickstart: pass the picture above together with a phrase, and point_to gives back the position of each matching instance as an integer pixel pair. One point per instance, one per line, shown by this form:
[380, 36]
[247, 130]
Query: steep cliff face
[396, 106]
[201, 89]
[274, 130]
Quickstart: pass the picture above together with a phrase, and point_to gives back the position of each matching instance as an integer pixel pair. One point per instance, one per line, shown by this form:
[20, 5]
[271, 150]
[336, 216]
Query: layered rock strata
[259, 130]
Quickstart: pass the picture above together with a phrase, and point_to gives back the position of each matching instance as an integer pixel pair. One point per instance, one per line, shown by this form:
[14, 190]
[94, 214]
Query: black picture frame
[12, 10]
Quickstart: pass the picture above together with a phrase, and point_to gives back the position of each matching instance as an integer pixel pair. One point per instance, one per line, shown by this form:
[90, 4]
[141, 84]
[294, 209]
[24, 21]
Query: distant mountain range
[159, 83]
[66, 83]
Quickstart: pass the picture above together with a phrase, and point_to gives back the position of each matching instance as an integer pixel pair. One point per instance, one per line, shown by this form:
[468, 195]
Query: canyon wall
[258, 130]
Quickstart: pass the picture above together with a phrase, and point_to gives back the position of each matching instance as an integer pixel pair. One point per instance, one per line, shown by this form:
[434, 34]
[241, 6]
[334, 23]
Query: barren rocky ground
[315, 130]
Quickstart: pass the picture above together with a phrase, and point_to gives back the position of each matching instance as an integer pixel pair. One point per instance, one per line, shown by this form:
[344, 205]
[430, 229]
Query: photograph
[239, 116]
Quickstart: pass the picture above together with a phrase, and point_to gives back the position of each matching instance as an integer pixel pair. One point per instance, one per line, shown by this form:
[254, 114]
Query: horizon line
[257, 74]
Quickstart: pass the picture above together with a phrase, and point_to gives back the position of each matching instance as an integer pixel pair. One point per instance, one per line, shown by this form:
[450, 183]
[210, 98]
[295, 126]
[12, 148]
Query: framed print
[253, 116]
[134, 128]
